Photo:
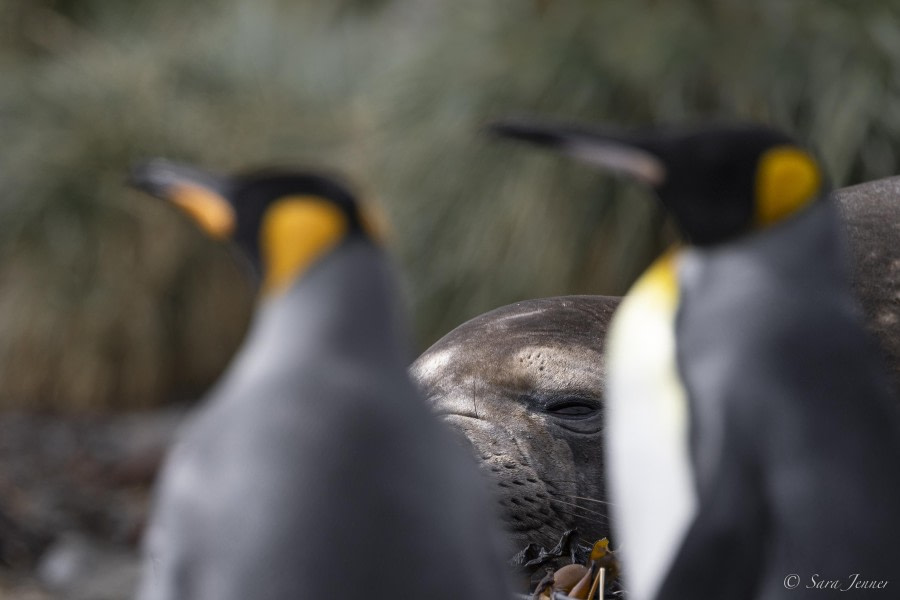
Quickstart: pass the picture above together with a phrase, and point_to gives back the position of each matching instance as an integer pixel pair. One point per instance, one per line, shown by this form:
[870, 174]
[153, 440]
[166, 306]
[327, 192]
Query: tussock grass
[110, 301]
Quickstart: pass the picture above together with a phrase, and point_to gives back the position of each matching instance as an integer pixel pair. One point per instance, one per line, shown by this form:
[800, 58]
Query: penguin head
[717, 182]
[283, 221]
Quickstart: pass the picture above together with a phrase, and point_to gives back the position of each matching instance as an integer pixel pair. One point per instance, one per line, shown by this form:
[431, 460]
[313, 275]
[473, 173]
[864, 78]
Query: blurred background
[111, 302]
[108, 300]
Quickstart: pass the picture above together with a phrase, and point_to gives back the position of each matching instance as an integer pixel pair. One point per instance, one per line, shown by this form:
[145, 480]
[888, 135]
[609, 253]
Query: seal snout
[523, 384]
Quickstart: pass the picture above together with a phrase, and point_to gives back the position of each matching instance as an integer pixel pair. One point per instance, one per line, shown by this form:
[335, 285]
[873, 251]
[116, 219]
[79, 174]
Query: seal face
[524, 384]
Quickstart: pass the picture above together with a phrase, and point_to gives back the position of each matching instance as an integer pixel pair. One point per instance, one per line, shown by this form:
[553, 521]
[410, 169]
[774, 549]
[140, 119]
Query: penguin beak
[201, 195]
[606, 150]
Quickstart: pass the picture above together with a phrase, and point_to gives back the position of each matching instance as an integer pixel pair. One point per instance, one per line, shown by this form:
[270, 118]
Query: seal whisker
[594, 512]
[603, 502]
[586, 499]
[583, 517]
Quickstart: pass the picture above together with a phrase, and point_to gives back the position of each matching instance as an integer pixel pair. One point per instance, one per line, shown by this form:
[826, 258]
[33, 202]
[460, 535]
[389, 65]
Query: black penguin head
[718, 182]
[282, 220]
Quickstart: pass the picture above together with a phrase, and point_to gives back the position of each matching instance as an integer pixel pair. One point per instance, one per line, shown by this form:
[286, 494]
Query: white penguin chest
[651, 485]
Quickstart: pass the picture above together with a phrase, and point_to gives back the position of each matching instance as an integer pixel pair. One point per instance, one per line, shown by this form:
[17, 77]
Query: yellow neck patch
[211, 211]
[295, 231]
[660, 281]
[787, 179]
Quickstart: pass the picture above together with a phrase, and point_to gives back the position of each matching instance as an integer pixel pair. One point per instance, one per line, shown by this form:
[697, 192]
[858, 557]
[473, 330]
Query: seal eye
[572, 408]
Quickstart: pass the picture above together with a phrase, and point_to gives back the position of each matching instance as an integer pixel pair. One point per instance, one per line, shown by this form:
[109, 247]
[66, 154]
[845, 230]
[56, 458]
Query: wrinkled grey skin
[504, 380]
[495, 377]
[871, 213]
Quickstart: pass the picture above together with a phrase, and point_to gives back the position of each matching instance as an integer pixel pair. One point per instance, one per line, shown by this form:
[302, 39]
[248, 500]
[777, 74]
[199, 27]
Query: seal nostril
[531, 480]
[517, 482]
[503, 484]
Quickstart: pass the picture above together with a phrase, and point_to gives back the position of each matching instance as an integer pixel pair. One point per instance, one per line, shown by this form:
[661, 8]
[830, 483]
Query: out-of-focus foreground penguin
[753, 443]
[313, 469]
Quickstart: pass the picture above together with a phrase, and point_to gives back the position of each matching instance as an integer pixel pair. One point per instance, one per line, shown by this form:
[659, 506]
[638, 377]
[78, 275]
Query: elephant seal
[871, 216]
[524, 383]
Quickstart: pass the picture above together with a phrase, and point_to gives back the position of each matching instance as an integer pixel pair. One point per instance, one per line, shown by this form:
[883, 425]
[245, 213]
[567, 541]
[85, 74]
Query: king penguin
[753, 442]
[312, 469]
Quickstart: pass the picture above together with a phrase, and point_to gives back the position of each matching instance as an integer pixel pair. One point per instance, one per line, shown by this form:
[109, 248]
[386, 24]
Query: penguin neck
[343, 306]
[807, 245]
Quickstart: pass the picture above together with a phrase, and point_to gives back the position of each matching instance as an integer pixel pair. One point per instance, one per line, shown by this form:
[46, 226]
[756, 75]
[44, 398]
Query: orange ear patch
[295, 231]
[787, 179]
